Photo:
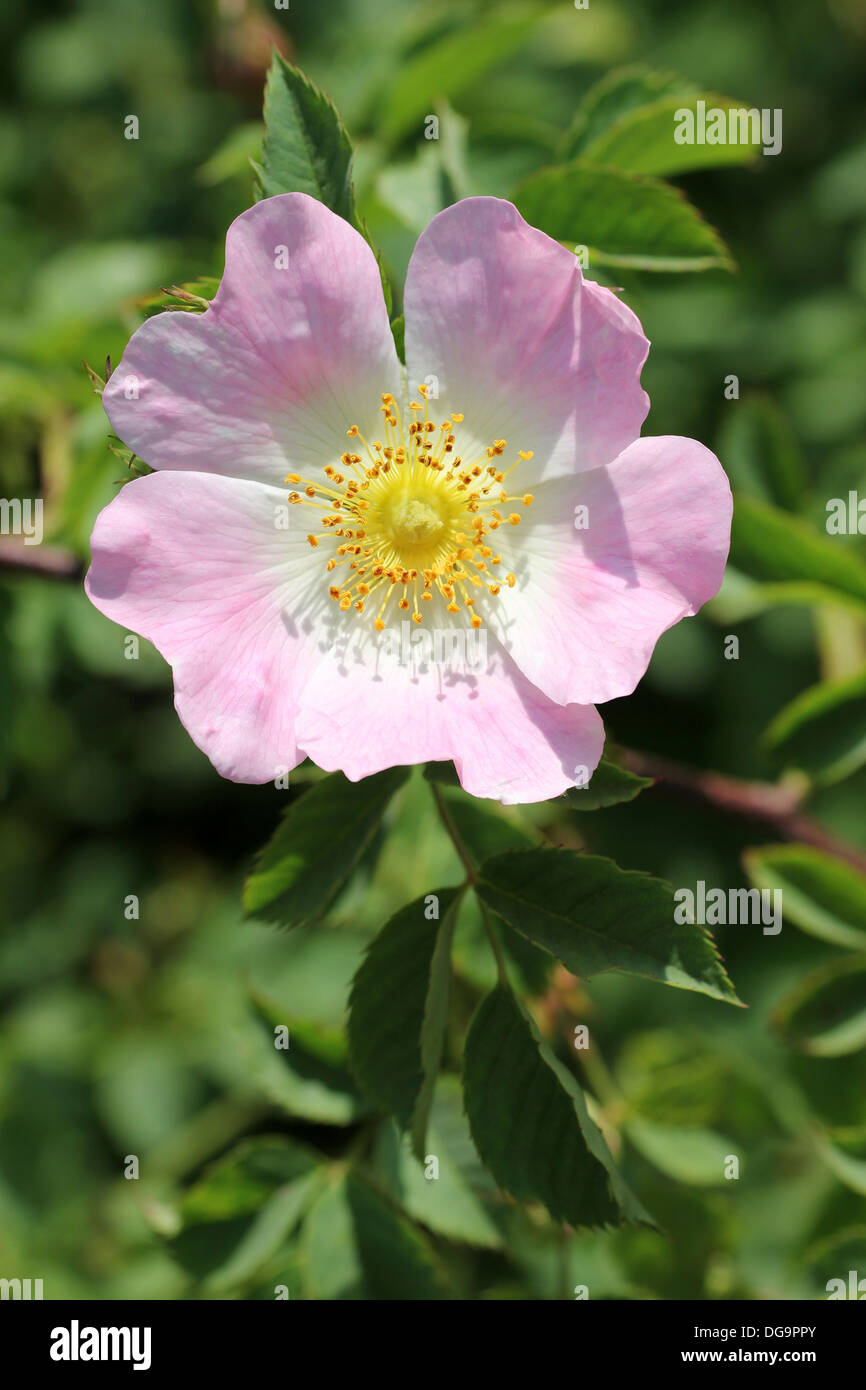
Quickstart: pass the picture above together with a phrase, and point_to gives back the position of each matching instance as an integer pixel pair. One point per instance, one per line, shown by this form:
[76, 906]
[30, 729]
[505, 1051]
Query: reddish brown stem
[776, 806]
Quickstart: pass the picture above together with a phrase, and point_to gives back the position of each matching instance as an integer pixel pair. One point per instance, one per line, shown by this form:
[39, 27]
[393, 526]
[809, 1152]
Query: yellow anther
[411, 508]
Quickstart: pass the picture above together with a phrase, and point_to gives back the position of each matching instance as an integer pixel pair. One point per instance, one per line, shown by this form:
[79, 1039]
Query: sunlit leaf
[594, 916]
[822, 895]
[624, 220]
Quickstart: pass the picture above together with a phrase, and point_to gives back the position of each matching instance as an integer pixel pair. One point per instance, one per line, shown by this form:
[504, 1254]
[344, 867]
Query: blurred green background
[143, 1036]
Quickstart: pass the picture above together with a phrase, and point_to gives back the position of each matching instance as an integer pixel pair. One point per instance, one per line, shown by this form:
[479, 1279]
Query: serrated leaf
[316, 846]
[825, 1014]
[643, 142]
[306, 148]
[594, 916]
[625, 220]
[398, 1010]
[823, 730]
[608, 786]
[530, 1121]
[772, 545]
[822, 895]
[617, 97]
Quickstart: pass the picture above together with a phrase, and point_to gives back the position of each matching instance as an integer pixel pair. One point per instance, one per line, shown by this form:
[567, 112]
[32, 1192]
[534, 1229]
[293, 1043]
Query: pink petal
[196, 565]
[589, 605]
[280, 365]
[508, 742]
[516, 340]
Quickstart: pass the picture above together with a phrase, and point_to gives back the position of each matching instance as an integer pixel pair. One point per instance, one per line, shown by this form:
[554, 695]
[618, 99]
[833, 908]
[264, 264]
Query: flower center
[413, 520]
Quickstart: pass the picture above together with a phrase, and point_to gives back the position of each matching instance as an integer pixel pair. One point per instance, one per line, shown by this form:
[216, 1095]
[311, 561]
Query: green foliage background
[154, 1036]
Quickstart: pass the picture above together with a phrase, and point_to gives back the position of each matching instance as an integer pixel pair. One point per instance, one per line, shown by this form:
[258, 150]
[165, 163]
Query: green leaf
[396, 1259]
[303, 980]
[448, 66]
[825, 1015]
[530, 1121]
[608, 785]
[398, 1010]
[306, 148]
[624, 220]
[416, 190]
[331, 1261]
[485, 831]
[741, 597]
[267, 1232]
[356, 1246]
[768, 544]
[628, 121]
[644, 141]
[243, 1179]
[823, 730]
[821, 894]
[594, 916]
[687, 1153]
[302, 1082]
[446, 1203]
[233, 156]
[849, 1168]
[760, 452]
[240, 1211]
[317, 844]
[615, 99]
[443, 773]
[398, 329]
[832, 1254]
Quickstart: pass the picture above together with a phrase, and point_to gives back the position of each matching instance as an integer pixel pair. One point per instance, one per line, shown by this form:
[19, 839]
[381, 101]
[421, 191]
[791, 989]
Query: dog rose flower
[312, 498]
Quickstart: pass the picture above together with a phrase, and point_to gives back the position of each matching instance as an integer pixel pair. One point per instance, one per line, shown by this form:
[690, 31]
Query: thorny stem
[471, 878]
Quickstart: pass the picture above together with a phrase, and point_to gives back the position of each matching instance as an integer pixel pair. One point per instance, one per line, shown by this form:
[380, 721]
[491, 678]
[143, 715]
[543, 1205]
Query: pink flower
[503, 492]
